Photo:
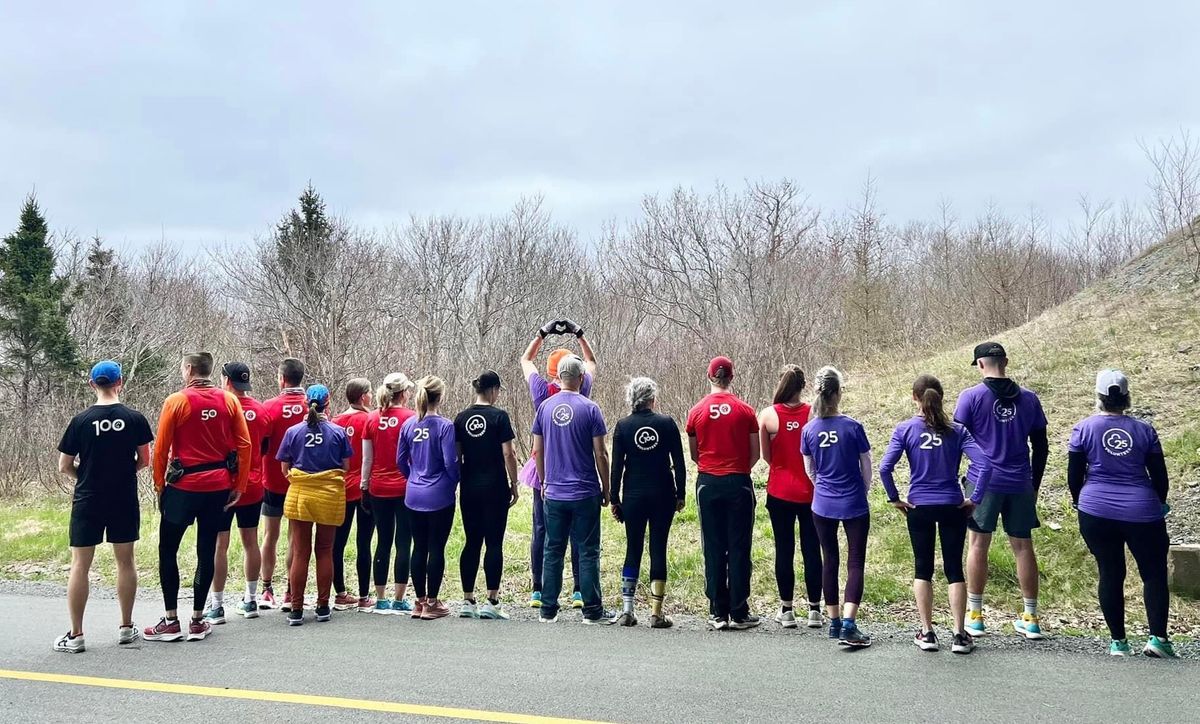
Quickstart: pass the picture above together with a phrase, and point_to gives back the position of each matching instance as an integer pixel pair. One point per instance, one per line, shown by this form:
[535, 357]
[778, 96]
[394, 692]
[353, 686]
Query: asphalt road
[492, 669]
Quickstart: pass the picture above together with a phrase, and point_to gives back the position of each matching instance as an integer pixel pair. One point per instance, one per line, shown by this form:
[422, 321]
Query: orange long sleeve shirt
[202, 424]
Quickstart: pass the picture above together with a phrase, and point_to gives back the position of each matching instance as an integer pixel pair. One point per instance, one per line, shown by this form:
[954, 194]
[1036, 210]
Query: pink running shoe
[198, 629]
[164, 630]
[434, 609]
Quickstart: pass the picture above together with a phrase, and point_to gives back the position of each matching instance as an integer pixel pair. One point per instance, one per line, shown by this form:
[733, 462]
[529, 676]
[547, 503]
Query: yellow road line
[388, 707]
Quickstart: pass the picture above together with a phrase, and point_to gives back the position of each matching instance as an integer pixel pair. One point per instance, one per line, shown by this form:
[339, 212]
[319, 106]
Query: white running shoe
[786, 618]
[814, 619]
[70, 644]
[488, 611]
[127, 634]
[468, 610]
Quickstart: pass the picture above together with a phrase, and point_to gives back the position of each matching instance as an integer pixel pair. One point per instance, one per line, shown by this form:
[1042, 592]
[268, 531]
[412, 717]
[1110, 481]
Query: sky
[200, 123]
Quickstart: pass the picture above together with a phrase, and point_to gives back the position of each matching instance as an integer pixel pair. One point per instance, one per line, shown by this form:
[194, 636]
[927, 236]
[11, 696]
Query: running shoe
[323, 613]
[434, 610]
[606, 618]
[493, 612]
[267, 601]
[286, 606]
[1029, 627]
[747, 621]
[926, 641]
[247, 609]
[577, 600]
[854, 637]
[718, 623]
[164, 630]
[198, 629]
[548, 619]
[1159, 648]
[975, 625]
[535, 599]
[661, 621]
[468, 610]
[127, 634]
[835, 629]
[70, 644]
[215, 615]
[1120, 647]
[344, 602]
[814, 618]
[417, 611]
[366, 604]
[383, 606]
[295, 618]
[786, 618]
[962, 643]
[627, 619]
[403, 607]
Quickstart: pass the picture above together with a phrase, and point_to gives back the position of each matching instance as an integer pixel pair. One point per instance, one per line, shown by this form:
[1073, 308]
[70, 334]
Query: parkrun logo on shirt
[1005, 411]
[476, 425]
[646, 438]
[1117, 442]
[562, 415]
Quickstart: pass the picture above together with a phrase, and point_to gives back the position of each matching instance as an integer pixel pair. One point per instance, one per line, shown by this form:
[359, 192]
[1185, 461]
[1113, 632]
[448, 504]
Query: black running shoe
[926, 641]
[718, 623]
[854, 637]
[747, 621]
[295, 617]
[963, 643]
[323, 613]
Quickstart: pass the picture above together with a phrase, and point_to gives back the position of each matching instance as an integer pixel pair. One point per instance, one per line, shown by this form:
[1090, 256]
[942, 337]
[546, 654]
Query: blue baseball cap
[318, 394]
[106, 373]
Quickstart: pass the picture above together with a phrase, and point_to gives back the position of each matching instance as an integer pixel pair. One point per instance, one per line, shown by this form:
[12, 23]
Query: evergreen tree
[37, 347]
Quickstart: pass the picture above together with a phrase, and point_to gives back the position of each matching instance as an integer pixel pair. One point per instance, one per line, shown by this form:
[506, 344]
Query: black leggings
[170, 535]
[784, 517]
[484, 520]
[430, 531]
[393, 525]
[856, 560]
[640, 512]
[1148, 542]
[927, 522]
[362, 541]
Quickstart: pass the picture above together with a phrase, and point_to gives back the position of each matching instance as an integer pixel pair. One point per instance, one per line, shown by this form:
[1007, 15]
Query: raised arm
[589, 357]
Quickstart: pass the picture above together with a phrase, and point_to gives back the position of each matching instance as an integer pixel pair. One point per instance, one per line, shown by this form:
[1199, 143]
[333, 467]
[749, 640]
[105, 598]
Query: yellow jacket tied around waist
[317, 497]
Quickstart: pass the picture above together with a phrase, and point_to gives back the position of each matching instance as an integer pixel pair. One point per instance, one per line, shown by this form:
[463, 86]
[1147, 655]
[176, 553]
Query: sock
[628, 588]
[470, 600]
[787, 605]
[493, 601]
[218, 599]
[658, 593]
[266, 584]
[847, 623]
[975, 602]
[1030, 606]
[814, 606]
[251, 591]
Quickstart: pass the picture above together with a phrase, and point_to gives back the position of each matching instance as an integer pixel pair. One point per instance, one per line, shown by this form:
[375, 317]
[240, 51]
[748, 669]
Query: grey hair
[570, 366]
[640, 392]
[829, 390]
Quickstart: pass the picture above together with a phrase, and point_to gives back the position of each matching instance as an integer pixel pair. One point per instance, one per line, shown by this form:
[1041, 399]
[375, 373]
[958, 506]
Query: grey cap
[570, 366]
[1106, 380]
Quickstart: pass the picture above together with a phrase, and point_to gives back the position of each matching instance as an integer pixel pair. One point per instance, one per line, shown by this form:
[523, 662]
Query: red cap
[720, 363]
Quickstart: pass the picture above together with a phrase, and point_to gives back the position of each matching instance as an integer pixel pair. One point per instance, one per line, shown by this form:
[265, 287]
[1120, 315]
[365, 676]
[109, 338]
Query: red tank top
[205, 436]
[787, 479]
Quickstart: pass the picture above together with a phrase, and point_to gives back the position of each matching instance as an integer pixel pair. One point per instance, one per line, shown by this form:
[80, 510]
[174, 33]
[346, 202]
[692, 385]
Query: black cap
[238, 374]
[988, 349]
[486, 381]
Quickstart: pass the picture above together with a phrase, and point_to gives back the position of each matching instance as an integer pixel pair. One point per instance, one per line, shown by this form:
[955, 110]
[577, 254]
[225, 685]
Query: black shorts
[247, 516]
[272, 504]
[94, 522]
[183, 507]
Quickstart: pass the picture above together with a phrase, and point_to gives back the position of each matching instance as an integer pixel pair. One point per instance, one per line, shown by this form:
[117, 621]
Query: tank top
[787, 479]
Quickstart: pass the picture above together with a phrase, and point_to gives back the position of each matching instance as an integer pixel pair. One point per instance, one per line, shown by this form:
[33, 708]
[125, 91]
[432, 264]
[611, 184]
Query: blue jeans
[537, 545]
[579, 522]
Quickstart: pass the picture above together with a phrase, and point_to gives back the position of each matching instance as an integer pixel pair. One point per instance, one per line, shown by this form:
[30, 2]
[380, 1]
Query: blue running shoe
[1119, 647]
[835, 629]
[402, 607]
[975, 625]
[1028, 626]
[577, 600]
[535, 599]
[215, 615]
[1159, 648]
[383, 606]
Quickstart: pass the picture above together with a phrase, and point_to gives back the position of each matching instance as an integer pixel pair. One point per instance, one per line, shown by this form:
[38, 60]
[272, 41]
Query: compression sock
[251, 591]
[1030, 606]
[975, 602]
[629, 578]
[658, 592]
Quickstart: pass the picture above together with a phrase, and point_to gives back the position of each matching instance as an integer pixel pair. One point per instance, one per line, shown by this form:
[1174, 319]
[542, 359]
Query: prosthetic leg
[658, 592]
[629, 578]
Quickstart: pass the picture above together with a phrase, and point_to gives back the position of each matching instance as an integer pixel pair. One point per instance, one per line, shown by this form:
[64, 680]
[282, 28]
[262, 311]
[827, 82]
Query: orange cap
[555, 357]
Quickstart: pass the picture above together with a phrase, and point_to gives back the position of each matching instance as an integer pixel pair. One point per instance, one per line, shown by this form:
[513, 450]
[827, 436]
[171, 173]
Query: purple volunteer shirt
[427, 455]
[539, 391]
[327, 447]
[567, 422]
[933, 462]
[1118, 486]
[1001, 430]
[835, 444]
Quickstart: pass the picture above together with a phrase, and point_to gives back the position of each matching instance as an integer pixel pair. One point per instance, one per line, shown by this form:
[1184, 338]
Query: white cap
[1106, 380]
[570, 366]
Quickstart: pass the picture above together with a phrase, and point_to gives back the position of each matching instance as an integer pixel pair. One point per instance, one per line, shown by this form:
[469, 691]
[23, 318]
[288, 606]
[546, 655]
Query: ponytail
[429, 393]
[314, 415]
[394, 385]
[927, 390]
[829, 392]
[791, 384]
[723, 378]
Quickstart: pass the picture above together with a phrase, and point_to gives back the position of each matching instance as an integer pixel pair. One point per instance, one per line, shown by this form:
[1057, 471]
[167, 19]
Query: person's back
[106, 438]
[316, 448]
[1118, 481]
[836, 444]
[383, 430]
[934, 458]
[428, 458]
[1001, 415]
[481, 431]
[787, 479]
[259, 425]
[722, 425]
[203, 436]
[650, 442]
[354, 422]
[283, 411]
[569, 422]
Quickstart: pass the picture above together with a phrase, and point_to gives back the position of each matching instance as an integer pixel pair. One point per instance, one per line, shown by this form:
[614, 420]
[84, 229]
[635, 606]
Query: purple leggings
[856, 544]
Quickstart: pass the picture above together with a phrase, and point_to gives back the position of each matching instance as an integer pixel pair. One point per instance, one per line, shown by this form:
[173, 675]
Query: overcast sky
[203, 121]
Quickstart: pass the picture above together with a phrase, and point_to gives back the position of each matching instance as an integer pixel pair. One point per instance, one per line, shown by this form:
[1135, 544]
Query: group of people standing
[395, 471]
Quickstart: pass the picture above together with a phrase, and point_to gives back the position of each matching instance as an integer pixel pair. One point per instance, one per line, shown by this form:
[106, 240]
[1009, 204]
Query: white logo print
[476, 425]
[646, 438]
[250, 415]
[1005, 411]
[562, 415]
[1117, 442]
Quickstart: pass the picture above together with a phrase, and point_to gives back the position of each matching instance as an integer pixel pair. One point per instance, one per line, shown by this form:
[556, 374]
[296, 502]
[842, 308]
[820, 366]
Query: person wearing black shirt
[648, 475]
[488, 489]
[103, 449]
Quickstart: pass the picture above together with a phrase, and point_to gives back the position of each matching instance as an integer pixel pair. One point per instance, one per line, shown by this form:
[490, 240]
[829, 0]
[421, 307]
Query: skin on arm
[755, 449]
[693, 448]
[539, 449]
[527, 365]
[810, 468]
[368, 459]
[510, 464]
[602, 467]
[768, 426]
[66, 465]
[143, 457]
[589, 357]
